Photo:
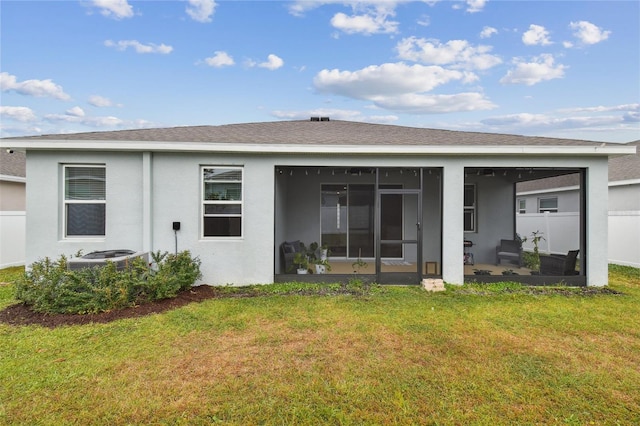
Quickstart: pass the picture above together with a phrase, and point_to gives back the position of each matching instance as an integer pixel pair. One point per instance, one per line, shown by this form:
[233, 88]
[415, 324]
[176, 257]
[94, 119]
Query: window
[222, 201]
[470, 208]
[84, 200]
[548, 205]
[522, 206]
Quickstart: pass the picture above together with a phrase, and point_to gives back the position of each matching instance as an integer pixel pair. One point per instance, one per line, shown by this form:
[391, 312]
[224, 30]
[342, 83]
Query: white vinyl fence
[12, 238]
[561, 232]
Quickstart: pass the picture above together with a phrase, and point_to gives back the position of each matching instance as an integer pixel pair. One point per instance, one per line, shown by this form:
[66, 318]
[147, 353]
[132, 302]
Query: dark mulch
[21, 314]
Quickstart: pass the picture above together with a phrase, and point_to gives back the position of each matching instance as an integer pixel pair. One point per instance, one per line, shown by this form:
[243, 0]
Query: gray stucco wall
[494, 220]
[140, 221]
[45, 235]
[177, 197]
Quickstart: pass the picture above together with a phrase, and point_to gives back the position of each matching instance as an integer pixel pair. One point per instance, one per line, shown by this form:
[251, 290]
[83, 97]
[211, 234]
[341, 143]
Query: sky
[568, 69]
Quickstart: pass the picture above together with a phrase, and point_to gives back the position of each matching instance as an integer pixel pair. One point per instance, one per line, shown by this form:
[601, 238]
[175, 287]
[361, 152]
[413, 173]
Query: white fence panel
[561, 232]
[624, 238]
[12, 238]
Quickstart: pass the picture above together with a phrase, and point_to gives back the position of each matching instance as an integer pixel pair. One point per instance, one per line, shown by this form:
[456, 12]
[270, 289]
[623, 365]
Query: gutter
[11, 178]
[253, 148]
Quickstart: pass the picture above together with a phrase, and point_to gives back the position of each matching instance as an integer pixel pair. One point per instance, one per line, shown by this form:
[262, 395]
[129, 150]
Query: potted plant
[301, 260]
[532, 260]
[324, 252]
[322, 264]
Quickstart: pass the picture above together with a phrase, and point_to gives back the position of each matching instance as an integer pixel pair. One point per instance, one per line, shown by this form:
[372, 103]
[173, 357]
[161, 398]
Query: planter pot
[302, 271]
[321, 269]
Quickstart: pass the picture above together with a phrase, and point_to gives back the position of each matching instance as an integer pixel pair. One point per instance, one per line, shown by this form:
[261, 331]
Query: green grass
[398, 355]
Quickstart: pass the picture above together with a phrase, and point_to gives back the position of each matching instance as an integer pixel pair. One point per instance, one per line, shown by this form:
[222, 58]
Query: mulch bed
[21, 314]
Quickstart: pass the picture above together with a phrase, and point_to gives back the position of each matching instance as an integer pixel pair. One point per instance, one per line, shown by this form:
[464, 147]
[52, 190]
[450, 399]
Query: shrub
[50, 287]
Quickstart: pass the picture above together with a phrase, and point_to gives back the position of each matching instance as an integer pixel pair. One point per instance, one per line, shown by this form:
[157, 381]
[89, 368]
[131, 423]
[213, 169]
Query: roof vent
[315, 118]
[324, 118]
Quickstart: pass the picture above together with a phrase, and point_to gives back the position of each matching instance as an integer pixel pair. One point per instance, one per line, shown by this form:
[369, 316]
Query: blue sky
[548, 68]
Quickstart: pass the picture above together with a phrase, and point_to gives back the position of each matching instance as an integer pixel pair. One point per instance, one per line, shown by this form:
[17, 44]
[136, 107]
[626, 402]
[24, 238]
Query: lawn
[397, 355]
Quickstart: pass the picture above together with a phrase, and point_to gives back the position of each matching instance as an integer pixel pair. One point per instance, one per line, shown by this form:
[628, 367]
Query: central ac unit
[122, 258]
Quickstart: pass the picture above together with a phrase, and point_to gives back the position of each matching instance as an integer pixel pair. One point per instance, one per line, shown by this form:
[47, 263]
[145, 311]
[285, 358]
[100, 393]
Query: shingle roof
[626, 167]
[13, 164]
[305, 132]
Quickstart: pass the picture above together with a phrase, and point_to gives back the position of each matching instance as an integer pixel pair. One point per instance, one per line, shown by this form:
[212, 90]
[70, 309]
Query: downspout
[147, 213]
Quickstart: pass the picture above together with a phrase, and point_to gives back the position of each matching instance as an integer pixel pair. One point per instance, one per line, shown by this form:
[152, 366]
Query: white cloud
[201, 10]
[424, 21]
[536, 35]
[567, 44]
[632, 117]
[100, 101]
[621, 121]
[457, 53]
[601, 108]
[488, 32]
[474, 6]
[37, 88]
[397, 86]
[75, 112]
[139, 47]
[23, 114]
[368, 17]
[117, 9]
[273, 63]
[589, 33]
[388, 79]
[366, 24]
[220, 59]
[67, 117]
[416, 103]
[541, 69]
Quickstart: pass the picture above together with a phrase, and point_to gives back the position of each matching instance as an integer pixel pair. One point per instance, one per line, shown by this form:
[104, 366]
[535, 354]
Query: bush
[50, 287]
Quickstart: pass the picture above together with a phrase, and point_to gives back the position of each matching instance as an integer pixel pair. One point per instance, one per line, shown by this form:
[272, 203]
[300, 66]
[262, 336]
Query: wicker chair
[288, 250]
[559, 265]
[509, 250]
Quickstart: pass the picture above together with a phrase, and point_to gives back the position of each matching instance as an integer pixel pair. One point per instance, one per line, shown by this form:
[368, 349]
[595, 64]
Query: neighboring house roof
[13, 166]
[623, 168]
[626, 167]
[307, 136]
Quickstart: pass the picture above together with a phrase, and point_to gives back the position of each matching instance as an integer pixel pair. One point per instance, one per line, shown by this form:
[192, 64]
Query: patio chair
[510, 250]
[288, 250]
[559, 265]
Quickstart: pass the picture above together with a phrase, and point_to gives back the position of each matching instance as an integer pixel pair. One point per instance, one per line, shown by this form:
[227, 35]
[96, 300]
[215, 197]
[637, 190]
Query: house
[389, 196]
[559, 197]
[12, 208]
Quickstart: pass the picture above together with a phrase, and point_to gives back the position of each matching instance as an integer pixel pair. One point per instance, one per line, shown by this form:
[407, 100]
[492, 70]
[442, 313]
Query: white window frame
[205, 202]
[547, 209]
[472, 208]
[522, 205]
[66, 202]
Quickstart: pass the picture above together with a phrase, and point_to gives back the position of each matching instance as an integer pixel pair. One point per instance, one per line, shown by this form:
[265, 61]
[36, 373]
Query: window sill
[82, 239]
